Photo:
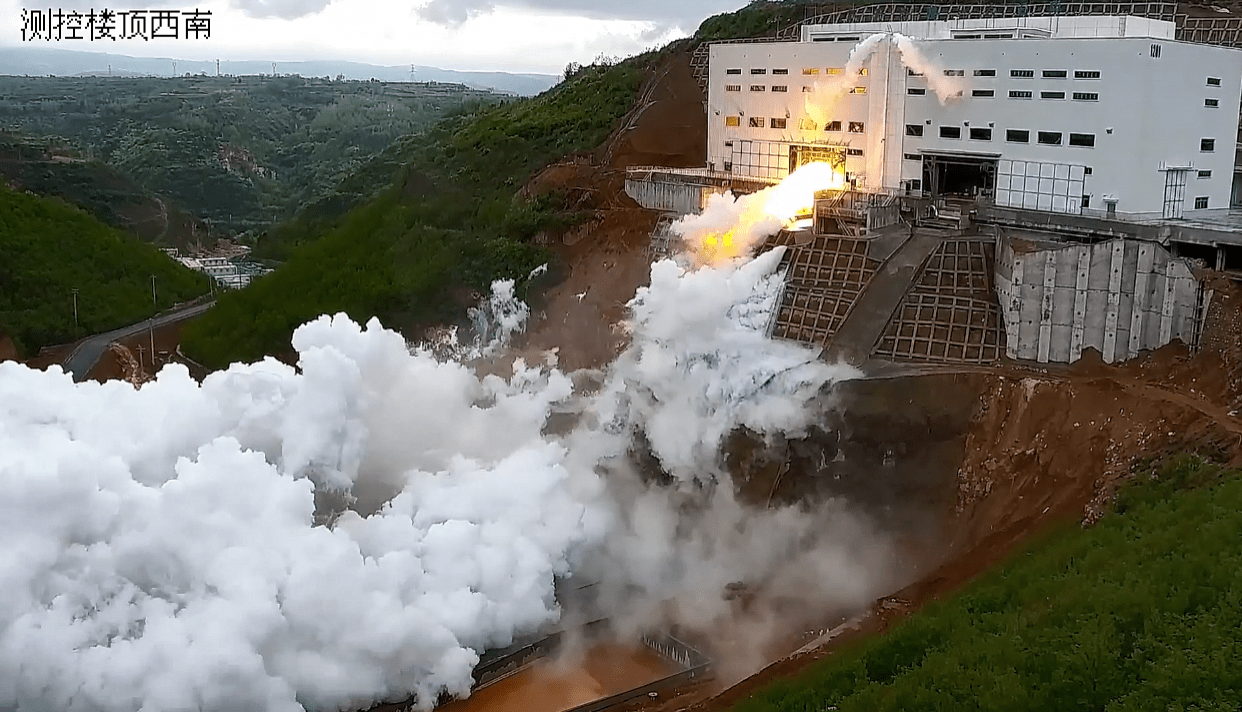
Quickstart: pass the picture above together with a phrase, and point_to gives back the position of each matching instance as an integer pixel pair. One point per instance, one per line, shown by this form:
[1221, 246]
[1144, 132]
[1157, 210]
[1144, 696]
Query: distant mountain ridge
[38, 61]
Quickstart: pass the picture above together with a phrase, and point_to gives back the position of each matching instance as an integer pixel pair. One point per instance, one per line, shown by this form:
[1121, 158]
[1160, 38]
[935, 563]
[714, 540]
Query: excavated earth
[961, 466]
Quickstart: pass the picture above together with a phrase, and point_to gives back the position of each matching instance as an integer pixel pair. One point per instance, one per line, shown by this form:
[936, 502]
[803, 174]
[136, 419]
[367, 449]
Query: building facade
[1099, 116]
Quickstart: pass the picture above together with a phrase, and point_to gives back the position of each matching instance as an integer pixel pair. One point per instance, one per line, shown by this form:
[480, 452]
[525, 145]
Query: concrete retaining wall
[1120, 297]
[670, 196]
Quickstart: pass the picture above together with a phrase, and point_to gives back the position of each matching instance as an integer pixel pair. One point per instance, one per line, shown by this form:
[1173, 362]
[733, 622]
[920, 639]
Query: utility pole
[217, 67]
[174, 69]
[75, 308]
[151, 323]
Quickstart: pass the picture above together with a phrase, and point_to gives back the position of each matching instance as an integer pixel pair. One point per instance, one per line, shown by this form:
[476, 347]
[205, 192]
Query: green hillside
[238, 152]
[1141, 612]
[49, 248]
[448, 221]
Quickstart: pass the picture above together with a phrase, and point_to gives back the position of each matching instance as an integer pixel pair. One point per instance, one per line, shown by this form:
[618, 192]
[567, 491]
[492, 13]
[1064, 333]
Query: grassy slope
[449, 220]
[1141, 612]
[50, 248]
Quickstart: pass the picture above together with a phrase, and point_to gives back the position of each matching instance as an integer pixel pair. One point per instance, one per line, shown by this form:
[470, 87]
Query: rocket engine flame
[730, 226]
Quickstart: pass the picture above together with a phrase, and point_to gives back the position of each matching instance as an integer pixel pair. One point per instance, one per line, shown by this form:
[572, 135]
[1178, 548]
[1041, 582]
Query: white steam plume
[947, 89]
[160, 547]
[166, 547]
[820, 102]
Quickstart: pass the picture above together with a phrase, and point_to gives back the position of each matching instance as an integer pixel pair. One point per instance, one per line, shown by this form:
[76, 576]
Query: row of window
[806, 71]
[785, 88]
[759, 122]
[1013, 73]
[977, 133]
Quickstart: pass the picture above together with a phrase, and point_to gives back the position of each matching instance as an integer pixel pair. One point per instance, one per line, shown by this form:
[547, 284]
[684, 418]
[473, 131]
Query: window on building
[733, 71]
[808, 71]
[1086, 96]
[1201, 202]
[1054, 73]
[780, 71]
[733, 121]
[950, 132]
[1205, 174]
[979, 134]
[985, 72]
[1086, 201]
[758, 71]
[853, 152]
[913, 157]
[982, 92]
[955, 72]
[757, 87]
[777, 123]
[858, 90]
[807, 124]
[1207, 145]
[1019, 95]
[914, 129]
[916, 184]
[1086, 74]
[1155, 50]
[733, 87]
[835, 70]
[862, 72]
[912, 73]
[756, 122]
[916, 91]
[1213, 81]
[1086, 170]
[780, 88]
[1017, 136]
[1081, 139]
[1050, 138]
[1212, 103]
[832, 126]
[1052, 95]
[856, 127]
[808, 90]
[1021, 73]
[972, 36]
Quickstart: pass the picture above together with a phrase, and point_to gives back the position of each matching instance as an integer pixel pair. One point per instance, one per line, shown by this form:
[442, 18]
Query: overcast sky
[509, 35]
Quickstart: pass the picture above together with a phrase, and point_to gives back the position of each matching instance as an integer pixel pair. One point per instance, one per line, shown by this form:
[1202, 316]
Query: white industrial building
[1104, 116]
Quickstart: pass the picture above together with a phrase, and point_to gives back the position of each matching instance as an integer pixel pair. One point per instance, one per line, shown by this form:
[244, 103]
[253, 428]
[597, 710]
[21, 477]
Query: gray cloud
[686, 14]
[287, 9]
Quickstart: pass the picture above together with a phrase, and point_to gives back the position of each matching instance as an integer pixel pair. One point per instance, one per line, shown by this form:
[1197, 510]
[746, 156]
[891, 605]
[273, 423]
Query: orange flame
[783, 204]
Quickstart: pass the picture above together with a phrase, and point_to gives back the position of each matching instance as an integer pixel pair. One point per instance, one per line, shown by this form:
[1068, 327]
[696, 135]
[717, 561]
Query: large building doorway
[953, 175]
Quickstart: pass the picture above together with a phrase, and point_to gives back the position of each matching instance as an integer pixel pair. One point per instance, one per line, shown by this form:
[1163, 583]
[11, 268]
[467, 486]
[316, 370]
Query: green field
[1141, 612]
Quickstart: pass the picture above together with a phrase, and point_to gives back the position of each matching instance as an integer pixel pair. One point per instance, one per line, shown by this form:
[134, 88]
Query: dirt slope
[605, 258]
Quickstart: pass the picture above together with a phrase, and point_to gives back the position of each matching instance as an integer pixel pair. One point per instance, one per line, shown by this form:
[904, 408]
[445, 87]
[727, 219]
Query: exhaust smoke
[360, 528]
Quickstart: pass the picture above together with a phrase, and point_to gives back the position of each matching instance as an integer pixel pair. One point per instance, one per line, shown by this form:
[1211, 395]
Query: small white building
[1102, 116]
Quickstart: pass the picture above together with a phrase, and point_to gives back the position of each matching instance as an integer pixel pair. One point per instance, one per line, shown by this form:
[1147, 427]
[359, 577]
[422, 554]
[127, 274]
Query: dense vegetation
[1141, 612]
[240, 152]
[449, 222]
[50, 248]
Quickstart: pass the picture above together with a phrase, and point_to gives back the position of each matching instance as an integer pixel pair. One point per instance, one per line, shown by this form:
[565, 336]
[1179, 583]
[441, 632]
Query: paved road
[83, 358]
